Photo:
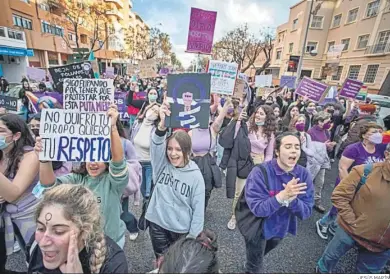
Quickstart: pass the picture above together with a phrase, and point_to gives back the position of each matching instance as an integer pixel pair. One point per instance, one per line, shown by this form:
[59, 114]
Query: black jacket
[236, 158]
[210, 171]
[115, 262]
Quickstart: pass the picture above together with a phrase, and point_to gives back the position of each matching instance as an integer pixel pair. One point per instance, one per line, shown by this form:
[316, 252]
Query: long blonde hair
[80, 206]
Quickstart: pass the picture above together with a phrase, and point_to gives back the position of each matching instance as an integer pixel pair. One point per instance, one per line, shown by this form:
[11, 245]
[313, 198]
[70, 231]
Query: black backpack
[249, 225]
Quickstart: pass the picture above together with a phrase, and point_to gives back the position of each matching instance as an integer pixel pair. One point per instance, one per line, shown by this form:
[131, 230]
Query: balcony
[118, 3]
[130, 4]
[12, 38]
[378, 49]
[116, 13]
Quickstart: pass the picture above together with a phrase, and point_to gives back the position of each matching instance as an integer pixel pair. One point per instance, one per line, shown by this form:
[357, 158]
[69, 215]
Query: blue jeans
[146, 185]
[367, 262]
[132, 120]
[130, 221]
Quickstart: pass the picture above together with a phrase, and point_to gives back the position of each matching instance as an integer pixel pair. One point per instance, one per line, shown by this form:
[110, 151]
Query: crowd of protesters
[271, 152]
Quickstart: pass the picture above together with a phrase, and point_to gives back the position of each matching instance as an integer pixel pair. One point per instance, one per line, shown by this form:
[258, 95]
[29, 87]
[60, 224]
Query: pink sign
[201, 31]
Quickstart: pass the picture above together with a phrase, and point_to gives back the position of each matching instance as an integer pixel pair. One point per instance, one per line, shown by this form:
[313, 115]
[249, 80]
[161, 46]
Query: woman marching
[176, 206]
[261, 137]
[106, 180]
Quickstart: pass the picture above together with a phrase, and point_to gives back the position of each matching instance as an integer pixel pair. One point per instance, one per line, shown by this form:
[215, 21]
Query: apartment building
[363, 26]
[35, 19]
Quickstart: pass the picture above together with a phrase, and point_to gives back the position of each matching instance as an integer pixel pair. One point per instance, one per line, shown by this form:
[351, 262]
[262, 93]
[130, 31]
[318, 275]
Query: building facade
[363, 26]
[53, 43]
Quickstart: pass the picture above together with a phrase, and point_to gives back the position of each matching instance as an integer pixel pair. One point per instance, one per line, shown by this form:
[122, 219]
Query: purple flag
[201, 31]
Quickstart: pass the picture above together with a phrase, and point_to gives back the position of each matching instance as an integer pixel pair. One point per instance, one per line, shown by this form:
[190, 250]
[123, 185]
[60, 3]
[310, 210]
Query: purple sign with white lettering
[351, 88]
[120, 101]
[311, 89]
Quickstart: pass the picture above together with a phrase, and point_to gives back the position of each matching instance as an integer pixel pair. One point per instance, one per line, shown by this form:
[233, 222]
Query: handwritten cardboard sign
[223, 77]
[131, 69]
[147, 68]
[239, 88]
[88, 95]
[72, 136]
[263, 80]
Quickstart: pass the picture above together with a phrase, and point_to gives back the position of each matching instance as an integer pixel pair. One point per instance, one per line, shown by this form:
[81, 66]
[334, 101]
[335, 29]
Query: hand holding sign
[113, 114]
[38, 148]
[163, 112]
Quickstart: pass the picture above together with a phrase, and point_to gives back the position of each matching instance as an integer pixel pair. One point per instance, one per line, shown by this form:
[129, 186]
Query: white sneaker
[232, 223]
[133, 236]
[16, 247]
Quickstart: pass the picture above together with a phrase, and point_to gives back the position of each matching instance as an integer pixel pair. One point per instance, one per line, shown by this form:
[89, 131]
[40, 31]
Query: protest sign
[189, 96]
[243, 76]
[77, 70]
[311, 89]
[288, 81]
[147, 68]
[201, 31]
[263, 80]
[131, 69]
[330, 97]
[35, 74]
[72, 136]
[9, 103]
[88, 95]
[164, 71]
[350, 88]
[264, 91]
[239, 88]
[223, 77]
[110, 72]
[120, 101]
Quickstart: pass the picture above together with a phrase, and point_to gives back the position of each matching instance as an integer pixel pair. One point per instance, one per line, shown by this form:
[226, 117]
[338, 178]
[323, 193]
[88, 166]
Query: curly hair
[80, 206]
[269, 127]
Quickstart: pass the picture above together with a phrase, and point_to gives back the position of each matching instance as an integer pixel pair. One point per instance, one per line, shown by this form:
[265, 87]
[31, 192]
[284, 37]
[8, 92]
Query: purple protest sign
[120, 101]
[164, 71]
[351, 88]
[36, 74]
[201, 31]
[311, 89]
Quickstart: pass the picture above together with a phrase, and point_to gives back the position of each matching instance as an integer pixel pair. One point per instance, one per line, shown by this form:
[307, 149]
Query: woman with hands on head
[69, 237]
[176, 206]
[288, 195]
[106, 180]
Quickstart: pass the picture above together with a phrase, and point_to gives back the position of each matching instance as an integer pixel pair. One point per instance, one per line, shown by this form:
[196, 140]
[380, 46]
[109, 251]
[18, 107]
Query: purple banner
[120, 101]
[164, 71]
[201, 31]
[311, 89]
[36, 74]
[351, 88]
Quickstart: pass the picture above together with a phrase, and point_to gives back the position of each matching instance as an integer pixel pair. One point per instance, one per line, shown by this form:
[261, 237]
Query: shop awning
[13, 51]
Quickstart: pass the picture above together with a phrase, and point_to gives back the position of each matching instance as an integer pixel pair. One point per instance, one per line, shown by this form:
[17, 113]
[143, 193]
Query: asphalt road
[294, 255]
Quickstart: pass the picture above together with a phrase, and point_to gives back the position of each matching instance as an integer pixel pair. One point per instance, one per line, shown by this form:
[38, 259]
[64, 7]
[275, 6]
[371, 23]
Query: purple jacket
[318, 134]
[262, 202]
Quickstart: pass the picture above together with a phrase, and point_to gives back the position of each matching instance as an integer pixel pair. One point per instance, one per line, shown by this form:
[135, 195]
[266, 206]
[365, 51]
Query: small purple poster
[164, 71]
[351, 88]
[120, 101]
[311, 89]
[288, 81]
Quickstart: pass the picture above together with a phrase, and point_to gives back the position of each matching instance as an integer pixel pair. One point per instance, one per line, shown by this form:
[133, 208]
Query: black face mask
[35, 132]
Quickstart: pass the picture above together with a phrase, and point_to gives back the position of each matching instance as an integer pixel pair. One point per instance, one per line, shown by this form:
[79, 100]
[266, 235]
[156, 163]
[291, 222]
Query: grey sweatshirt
[177, 202]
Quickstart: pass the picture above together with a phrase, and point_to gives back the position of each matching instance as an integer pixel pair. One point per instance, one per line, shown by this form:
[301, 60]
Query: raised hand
[72, 264]
[113, 114]
[292, 189]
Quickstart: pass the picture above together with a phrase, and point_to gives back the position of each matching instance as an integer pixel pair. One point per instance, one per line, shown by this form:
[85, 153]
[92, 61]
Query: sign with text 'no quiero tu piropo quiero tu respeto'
[88, 95]
[72, 136]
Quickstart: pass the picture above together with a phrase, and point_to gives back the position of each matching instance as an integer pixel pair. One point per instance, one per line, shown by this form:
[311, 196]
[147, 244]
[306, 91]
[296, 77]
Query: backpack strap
[265, 174]
[363, 179]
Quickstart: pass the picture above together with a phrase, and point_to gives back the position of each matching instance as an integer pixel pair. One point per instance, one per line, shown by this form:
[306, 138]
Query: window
[316, 22]
[371, 72]
[387, 8]
[337, 76]
[58, 31]
[26, 1]
[352, 15]
[383, 37]
[295, 23]
[22, 22]
[278, 54]
[362, 41]
[2, 32]
[330, 44]
[71, 37]
[311, 46]
[345, 42]
[44, 6]
[354, 71]
[13, 34]
[52, 29]
[372, 8]
[290, 47]
[84, 39]
[337, 20]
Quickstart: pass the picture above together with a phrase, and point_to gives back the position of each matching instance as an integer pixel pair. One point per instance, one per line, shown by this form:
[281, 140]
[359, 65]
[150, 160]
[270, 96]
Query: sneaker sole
[319, 231]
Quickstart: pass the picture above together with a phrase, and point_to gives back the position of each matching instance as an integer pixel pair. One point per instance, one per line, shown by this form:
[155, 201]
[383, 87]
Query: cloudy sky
[174, 16]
